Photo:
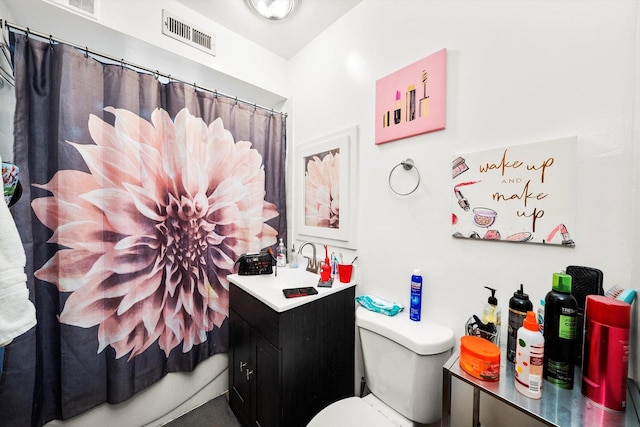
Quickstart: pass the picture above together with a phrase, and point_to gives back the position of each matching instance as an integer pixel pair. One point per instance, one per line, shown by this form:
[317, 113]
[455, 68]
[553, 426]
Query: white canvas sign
[520, 193]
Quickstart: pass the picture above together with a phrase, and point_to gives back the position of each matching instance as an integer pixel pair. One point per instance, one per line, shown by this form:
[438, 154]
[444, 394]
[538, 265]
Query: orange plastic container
[480, 358]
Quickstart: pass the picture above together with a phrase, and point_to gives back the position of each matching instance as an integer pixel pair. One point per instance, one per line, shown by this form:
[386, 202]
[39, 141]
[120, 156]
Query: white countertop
[268, 288]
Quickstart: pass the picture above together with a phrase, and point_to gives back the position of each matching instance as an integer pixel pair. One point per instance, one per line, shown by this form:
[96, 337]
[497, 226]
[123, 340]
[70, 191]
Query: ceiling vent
[83, 7]
[179, 29]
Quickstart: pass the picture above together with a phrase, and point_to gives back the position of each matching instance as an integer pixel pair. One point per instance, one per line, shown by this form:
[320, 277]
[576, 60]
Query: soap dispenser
[281, 255]
[492, 313]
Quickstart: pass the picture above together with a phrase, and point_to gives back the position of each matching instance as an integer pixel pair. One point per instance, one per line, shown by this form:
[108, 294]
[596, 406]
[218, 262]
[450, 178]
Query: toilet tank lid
[424, 337]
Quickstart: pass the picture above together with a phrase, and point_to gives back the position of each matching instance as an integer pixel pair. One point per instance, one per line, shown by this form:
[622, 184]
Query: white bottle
[281, 255]
[529, 358]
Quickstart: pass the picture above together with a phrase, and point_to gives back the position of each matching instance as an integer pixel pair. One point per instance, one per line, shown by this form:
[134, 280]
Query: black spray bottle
[560, 323]
[519, 304]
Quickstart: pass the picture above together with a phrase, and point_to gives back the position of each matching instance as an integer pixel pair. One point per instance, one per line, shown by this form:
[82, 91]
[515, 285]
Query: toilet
[403, 363]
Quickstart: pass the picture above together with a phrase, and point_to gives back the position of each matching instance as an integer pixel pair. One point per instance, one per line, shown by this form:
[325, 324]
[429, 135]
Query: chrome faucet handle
[311, 265]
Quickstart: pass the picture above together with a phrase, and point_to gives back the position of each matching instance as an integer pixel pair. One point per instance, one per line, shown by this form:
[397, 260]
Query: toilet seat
[350, 412]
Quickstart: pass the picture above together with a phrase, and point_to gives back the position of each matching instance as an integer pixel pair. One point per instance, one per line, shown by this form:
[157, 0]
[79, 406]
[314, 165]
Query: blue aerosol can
[415, 306]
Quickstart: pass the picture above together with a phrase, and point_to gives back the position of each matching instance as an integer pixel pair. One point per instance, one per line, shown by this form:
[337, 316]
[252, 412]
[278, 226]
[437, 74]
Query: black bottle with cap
[519, 304]
[560, 321]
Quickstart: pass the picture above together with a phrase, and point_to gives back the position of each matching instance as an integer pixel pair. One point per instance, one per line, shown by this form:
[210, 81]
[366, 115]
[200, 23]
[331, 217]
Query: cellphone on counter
[299, 292]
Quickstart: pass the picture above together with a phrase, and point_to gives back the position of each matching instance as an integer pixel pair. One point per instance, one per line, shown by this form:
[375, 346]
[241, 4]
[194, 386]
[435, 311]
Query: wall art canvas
[519, 193]
[325, 188]
[412, 100]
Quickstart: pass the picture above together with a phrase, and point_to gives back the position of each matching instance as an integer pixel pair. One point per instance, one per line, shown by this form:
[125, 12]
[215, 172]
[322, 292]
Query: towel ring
[406, 165]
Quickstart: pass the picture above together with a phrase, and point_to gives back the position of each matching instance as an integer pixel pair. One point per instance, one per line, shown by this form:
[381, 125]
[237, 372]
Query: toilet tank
[403, 362]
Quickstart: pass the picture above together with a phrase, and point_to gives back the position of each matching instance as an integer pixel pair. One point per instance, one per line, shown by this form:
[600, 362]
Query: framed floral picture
[325, 188]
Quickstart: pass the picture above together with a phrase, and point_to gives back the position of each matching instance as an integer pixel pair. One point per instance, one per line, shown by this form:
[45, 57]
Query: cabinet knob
[249, 372]
[242, 365]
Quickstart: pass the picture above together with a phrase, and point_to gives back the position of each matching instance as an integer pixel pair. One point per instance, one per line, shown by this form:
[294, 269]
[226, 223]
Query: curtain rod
[28, 32]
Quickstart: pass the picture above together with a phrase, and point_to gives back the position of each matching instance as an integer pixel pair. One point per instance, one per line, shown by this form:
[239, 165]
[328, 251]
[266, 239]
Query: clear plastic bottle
[293, 258]
[492, 313]
[281, 255]
[529, 358]
[415, 307]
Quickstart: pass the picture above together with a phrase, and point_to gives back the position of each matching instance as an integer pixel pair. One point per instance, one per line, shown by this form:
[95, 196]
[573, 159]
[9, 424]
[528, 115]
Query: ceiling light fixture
[272, 9]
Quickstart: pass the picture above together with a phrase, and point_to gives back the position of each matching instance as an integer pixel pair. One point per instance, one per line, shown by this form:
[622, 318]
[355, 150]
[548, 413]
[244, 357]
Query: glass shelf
[557, 407]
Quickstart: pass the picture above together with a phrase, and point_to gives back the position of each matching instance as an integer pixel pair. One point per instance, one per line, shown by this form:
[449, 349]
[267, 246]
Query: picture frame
[519, 193]
[325, 189]
[412, 100]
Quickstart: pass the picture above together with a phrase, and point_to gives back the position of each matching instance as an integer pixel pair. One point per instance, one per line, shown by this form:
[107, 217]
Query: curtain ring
[195, 87]
[86, 51]
[122, 62]
[215, 93]
[156, 75]
[406, 165]
[236, 101]
[50, 41]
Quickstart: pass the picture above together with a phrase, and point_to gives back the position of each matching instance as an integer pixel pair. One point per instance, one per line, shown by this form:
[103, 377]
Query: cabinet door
[241, 369]
[268, 393]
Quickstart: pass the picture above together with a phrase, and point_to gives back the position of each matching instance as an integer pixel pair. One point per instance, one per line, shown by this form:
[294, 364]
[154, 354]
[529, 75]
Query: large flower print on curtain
[138, 198]
[154, 228]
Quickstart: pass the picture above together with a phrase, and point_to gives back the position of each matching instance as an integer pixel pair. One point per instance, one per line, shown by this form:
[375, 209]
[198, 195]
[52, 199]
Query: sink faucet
[312, 263]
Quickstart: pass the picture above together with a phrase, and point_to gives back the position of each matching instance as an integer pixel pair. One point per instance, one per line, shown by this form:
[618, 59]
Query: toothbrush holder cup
[345, 271]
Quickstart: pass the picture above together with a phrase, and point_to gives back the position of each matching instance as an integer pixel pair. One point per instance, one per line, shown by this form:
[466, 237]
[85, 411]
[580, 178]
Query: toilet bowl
[352, 411]
[403, 363]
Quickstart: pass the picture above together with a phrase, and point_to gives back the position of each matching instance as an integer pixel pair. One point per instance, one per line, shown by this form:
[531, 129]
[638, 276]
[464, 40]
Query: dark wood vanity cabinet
[284, 367]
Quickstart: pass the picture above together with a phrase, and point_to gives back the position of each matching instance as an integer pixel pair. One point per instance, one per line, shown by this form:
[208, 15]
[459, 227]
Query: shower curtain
[138, 197]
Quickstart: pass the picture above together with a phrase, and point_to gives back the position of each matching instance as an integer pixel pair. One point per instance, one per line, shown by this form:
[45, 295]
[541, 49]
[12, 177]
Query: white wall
[518, 72]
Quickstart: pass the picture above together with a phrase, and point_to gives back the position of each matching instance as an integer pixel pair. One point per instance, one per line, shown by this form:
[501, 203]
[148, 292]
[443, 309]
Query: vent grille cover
[84, 7]
[179, 29]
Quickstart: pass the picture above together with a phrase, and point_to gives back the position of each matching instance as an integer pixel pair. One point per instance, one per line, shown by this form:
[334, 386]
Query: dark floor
[214, 413]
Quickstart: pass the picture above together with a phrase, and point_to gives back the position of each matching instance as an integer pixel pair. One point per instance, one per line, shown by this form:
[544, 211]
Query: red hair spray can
[606, 351]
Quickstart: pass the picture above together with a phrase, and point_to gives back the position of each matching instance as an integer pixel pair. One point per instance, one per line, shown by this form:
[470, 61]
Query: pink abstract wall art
[412, 100]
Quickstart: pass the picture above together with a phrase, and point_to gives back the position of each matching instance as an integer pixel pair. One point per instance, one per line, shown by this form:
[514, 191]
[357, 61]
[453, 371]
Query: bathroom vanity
[288, 357]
